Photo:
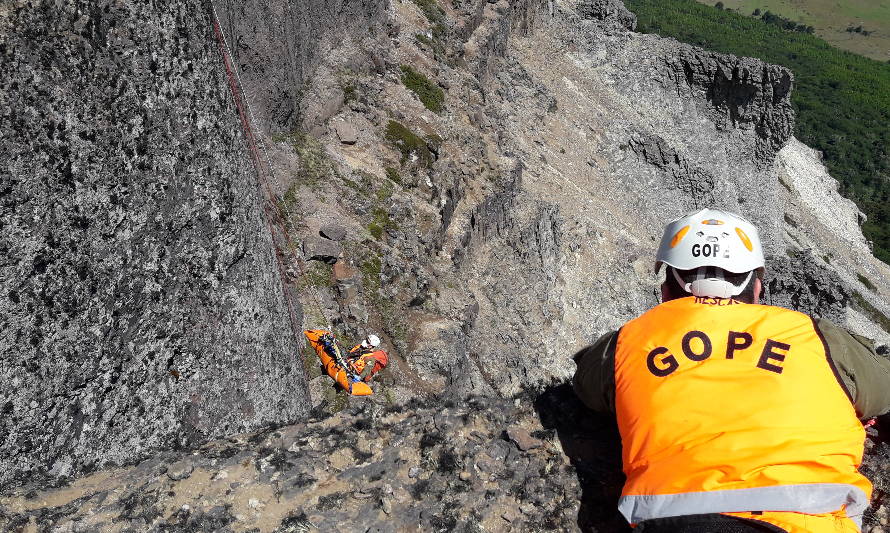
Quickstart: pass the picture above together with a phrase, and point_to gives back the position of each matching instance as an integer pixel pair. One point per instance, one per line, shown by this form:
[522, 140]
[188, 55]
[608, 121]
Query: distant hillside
[833, 20]
[842, 99]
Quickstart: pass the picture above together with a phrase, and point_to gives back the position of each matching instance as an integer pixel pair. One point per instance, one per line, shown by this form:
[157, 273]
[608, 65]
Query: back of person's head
[710, 253]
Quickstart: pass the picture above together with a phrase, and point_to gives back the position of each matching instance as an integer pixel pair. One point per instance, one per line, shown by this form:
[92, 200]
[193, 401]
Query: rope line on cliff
[238, 94]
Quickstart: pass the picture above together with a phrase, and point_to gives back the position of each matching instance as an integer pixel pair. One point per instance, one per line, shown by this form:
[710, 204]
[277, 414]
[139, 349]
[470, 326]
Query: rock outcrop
[480, 183]
[824, 242]
[141, 305]
[612, 12]
[277, 45]
[746, 94]
[486, 465]
[489, 464]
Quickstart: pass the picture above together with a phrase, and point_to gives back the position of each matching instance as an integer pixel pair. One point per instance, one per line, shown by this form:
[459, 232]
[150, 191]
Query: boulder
[610, 11]
[319, 249]
[346, 132]
[180, 470]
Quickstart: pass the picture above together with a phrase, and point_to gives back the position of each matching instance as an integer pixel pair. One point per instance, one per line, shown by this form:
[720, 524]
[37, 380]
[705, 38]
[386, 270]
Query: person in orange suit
[367, 359]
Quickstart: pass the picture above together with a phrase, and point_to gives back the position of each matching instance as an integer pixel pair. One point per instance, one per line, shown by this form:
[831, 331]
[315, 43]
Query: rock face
[798, 281]
[608, 11]
[827, 247]
[141, 304]
[490, 464]
[497, 208]
[490, 240]
[420, 466]
[746, 94]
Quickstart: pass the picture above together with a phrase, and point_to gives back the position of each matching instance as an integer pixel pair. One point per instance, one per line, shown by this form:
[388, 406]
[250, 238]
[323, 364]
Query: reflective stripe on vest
[726, 408]
[812, 498]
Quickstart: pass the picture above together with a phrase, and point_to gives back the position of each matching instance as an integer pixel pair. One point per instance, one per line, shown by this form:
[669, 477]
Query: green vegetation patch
[336, 400]
[872, 312]
[434, 14]
[384, 193]
[316, 274]
[409, 144]
[381, 221]
[315, 166]
[431, 95]
[842, 100]
[435, 44]
[393, 175]
[350, 93]
[311, 362]
[393, 316]
[423, 39]
[370, 269]
[288, 208]
[867, 282]
[860, 26]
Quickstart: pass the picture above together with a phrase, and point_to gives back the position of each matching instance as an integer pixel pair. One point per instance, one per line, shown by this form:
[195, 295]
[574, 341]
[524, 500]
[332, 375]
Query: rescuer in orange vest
[367, 359]
[734, 416]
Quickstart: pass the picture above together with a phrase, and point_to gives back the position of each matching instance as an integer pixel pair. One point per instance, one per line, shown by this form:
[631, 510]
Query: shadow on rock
[591, 442]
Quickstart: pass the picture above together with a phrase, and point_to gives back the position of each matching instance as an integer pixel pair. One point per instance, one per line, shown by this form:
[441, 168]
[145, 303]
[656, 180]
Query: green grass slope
[842, 99]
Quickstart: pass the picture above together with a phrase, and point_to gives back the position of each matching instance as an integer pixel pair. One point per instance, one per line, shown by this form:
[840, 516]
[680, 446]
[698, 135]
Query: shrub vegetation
[429, 93]
[435, 15]
[408, 143]
[842, 100]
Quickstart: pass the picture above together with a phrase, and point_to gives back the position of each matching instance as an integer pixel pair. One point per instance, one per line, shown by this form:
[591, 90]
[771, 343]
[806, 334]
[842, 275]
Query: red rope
[258, 166]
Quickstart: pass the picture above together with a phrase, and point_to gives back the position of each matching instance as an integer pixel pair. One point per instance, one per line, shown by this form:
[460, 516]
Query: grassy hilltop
[842, 99]
[831, 20]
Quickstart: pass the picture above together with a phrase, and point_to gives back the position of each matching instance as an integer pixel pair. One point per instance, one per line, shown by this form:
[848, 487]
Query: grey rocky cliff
[745, 93]
[522, 225]
[499, 235]
[141, 306]
[823, 236]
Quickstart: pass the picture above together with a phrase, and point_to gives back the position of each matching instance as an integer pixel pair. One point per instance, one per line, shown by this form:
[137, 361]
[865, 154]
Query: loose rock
[324, 250]
[179, 470]
[523, 440]
[334, 232]
[346, 133]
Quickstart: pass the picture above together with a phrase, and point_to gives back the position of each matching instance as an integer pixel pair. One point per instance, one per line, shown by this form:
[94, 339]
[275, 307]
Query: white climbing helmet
[372, 341]
[711, 238]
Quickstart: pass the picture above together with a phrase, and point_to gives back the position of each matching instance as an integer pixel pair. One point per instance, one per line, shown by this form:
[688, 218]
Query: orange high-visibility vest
[733, 408]
[376, 357]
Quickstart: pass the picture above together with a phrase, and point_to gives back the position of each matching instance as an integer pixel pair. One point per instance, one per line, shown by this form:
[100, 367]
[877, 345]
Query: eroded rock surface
[497, 208]
[421, 466]
[535, 463]
[277, 44]
[141, 306]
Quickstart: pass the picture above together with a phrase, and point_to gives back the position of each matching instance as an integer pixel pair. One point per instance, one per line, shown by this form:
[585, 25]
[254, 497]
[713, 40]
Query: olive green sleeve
[594, 380]
[864, 373]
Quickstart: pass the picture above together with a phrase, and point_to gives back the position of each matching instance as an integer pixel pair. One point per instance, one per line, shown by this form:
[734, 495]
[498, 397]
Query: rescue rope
[270, 209]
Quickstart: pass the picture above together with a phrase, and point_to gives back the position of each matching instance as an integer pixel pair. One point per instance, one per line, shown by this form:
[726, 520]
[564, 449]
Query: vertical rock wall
[140, 305]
